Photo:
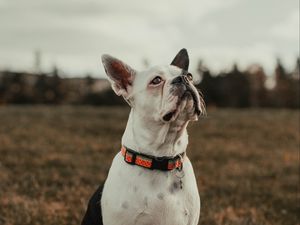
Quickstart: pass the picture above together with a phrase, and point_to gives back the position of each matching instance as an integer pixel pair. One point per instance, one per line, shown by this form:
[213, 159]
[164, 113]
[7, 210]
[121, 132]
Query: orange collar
[151, 162]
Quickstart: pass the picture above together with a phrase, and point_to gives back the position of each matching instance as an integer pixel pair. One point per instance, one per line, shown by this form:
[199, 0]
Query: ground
[53, 158]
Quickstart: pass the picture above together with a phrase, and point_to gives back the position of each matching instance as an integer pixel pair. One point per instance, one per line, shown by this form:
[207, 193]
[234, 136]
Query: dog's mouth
[167, 117]
[196, 105]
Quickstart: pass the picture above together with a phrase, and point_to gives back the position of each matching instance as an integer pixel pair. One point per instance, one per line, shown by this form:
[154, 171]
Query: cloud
[289, 28]
[223, 57]
[74, 33]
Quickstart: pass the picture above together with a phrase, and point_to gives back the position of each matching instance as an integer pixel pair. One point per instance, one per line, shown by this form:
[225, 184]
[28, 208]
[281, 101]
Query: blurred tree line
[251, 88]
[235, 88]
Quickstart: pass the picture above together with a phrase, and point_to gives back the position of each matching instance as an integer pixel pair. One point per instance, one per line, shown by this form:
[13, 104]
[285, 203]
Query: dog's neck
[155, 138]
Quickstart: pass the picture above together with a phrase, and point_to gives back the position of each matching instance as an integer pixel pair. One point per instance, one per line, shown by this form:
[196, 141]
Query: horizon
[197, 74]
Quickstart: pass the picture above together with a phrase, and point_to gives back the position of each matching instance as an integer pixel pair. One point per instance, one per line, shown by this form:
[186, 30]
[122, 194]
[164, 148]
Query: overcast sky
[73, 34]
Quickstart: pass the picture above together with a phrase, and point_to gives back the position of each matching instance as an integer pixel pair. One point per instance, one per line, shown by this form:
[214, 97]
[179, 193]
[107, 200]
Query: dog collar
[151, 162]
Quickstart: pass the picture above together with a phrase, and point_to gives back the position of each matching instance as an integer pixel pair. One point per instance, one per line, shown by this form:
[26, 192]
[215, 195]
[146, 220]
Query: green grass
[53, 158]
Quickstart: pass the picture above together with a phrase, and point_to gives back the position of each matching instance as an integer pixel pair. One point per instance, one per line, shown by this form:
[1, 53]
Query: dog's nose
[180, 80]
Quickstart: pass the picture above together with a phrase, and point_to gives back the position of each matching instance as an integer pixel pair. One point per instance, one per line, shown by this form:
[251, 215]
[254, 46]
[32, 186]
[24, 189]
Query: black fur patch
[93, 214]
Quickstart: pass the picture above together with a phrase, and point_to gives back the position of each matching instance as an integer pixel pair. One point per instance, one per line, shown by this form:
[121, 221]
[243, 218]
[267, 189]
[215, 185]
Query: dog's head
[161, 93]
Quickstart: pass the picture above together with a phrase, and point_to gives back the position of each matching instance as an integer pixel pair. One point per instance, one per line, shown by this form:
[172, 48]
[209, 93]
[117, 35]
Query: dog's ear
[181, 60]
[120, 75]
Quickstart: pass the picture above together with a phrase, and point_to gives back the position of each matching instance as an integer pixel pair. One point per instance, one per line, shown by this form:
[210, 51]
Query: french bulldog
[151, 180]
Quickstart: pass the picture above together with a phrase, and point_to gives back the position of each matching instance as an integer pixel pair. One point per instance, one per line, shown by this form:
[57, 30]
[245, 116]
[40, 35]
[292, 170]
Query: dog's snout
[180, 80]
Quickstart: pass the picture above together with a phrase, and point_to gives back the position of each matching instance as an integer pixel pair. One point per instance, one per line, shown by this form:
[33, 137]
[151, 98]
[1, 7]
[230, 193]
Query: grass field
[53, 158]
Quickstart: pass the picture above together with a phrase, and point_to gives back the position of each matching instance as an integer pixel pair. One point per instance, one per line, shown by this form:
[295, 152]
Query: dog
[151, 180]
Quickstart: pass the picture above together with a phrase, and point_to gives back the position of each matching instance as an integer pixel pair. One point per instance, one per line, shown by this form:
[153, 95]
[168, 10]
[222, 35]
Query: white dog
[151, 180]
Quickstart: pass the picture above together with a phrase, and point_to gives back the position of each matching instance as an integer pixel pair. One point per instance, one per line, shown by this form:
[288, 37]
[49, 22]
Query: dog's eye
[156, 80]
[190, 76]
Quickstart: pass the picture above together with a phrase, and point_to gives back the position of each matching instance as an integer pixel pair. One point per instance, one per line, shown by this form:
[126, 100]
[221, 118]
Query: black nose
[180, 80]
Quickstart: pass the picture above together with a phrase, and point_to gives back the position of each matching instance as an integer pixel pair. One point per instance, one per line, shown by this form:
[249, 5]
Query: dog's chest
[133, 195]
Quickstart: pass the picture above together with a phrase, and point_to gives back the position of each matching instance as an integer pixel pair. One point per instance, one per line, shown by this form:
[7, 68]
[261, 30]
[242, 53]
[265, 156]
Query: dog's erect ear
[181, 60]
[120, 75]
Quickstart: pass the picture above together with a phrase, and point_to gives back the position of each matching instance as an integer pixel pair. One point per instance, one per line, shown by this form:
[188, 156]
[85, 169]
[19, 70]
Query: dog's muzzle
[183, 88]
[188, 89]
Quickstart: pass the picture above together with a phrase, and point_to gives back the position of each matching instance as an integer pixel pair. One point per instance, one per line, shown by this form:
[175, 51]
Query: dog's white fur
[135, 195]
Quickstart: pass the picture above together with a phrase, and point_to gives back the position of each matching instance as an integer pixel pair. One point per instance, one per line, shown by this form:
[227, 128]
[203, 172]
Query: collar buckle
[180, 166]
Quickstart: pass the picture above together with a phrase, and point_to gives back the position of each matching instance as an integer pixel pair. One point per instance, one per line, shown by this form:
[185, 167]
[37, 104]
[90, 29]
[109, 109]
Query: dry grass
[246, 163]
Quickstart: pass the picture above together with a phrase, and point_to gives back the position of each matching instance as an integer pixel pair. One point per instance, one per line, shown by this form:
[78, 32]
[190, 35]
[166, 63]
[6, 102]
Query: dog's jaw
[157, 139]
[188, 104]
